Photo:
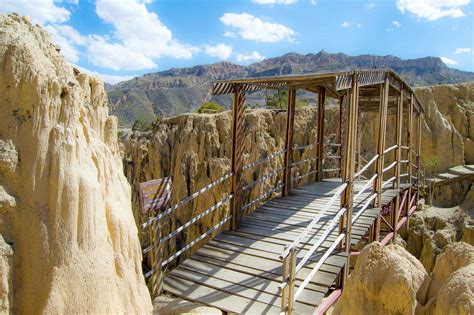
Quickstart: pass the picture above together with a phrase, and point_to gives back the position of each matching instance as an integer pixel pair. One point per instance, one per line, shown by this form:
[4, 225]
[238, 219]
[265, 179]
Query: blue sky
[119, 39]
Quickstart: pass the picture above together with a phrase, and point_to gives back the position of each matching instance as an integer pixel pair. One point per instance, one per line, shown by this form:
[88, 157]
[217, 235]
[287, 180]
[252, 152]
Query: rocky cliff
[68, 241]
[388, 280]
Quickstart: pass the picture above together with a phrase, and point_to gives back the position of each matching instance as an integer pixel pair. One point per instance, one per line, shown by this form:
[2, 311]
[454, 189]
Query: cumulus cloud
[459, 51]
[345, 24]
[432, 10]
[252, 28]
[275, 1]
[396, 24]
[139, 37]
[449, 61]
[40, 11]
[112, 79]
[249, 57]
[220, 51]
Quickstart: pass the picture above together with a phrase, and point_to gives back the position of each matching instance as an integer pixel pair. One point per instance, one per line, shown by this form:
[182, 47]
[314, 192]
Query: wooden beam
[349, 166]
[410, 146]
[341, 134]
[290, 119]
[238, 124]
[381, 134]
[399, 124]
[418, 157]
[320, 135]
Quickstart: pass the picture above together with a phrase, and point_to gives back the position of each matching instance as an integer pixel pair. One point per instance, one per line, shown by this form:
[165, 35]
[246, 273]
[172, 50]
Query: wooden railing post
[410, 154]
[290, 119]
[288, 291]
[156, 256]
[418, 157]
[320, 135]
[341, 135]
[349, 168]
[398, 165]
[238, 124]
[382, 126]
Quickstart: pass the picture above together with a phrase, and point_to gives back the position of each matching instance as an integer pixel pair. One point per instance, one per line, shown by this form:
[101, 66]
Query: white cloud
[462, 51]
[248, 57]
[253, 28]
[275, 1]
[40, 11]
[369, 5]
[112, 79]
[396, 24]
[314, 2]
[358, 25]
[345, 24]
[141, 30]
[220, 51]
[68, 39]
[449, 61]
[433, 9]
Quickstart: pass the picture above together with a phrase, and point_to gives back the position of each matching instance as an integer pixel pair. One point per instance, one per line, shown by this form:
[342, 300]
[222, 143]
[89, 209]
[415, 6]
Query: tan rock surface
[451, 289]
[385, 281]
[75, 242]
[168, 305]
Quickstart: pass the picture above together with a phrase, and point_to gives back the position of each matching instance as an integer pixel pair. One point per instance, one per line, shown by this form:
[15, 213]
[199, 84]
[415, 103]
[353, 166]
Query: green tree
[210, 107]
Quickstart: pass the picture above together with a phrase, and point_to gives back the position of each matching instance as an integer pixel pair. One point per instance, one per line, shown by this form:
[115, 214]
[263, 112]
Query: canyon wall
[194, 149]
[68, 241]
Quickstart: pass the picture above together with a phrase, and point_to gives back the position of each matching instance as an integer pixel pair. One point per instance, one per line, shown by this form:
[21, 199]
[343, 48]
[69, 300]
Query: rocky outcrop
[432, 229]
[388, 280]
[385, 281]
[68, 240]
[450, 289]
[448, 126]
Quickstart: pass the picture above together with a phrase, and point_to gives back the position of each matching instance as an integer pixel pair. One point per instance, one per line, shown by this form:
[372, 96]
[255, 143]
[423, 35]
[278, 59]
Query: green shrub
[210, 107]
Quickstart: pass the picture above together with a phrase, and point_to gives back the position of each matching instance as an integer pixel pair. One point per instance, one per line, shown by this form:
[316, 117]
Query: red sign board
[155, 194]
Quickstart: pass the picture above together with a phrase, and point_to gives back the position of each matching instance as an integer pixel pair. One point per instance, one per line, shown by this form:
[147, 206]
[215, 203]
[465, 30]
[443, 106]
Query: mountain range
[179, 90]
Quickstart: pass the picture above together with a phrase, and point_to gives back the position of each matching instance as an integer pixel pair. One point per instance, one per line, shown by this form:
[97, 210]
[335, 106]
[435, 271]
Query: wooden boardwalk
[240, 271]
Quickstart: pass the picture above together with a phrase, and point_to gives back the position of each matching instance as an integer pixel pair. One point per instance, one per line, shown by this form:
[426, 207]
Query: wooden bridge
[288, 250]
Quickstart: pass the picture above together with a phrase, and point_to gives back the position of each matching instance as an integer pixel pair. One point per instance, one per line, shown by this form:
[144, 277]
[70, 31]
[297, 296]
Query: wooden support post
[358, 144]
[410, 153]
[238, 125]
[288, 292]
[399, 139]
[382, 126]
[320, 136]
[349, 166]
[290, 119]
[342, 133]
[418, 157]
[156, 257]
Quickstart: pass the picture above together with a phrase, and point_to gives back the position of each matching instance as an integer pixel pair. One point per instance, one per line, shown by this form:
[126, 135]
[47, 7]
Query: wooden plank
[245, 285]
[230, 303]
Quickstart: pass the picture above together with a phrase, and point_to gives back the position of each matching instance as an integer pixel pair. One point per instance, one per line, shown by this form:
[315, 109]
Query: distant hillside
[180, 90]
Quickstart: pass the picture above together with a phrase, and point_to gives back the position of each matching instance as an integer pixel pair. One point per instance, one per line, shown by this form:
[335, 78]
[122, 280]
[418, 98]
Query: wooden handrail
[262, 196]
[263, 178]
[389, 167]
[313, 222]
[388, 181]
[186, 200]
[304, 175]
[390, 149]
[366, 166]
[318, 265]
[195, 241]
[270, 157]
[360, 192]
[367, 203]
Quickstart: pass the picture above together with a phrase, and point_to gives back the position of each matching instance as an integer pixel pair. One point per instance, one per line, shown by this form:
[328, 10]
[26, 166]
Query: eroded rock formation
[389, 280]
[68, 241]
[385, 281]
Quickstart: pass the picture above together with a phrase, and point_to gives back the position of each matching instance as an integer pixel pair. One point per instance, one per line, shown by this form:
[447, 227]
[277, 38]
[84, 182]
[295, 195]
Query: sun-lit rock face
[385, 281]
[448, 134]
[70, 241]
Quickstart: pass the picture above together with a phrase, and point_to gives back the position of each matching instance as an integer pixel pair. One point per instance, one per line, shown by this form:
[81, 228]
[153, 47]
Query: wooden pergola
[355, 207]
